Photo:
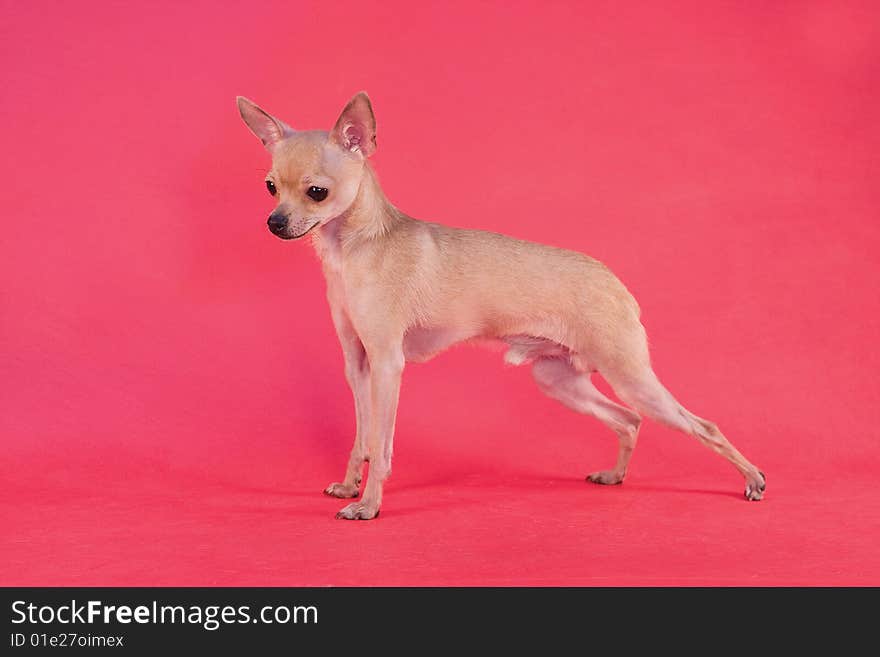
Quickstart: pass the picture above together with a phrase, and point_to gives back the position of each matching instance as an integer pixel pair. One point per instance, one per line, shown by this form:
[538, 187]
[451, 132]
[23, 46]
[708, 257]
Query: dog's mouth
[284, 233]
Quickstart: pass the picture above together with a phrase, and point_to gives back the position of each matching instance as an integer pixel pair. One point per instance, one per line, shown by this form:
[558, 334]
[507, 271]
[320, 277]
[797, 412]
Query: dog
[402, 290]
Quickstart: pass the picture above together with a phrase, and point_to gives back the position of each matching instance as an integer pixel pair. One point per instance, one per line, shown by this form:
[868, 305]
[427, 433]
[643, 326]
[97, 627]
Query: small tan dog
[404, 290]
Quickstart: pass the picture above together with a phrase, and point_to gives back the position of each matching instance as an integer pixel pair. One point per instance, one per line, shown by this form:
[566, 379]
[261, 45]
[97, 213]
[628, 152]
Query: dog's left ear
[355, 130]
[265, 126]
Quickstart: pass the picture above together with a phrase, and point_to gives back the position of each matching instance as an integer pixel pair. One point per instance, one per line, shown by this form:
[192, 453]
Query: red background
[172, 393]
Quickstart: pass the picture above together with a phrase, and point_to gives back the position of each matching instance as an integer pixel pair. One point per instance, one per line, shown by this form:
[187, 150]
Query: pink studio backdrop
[172, 400]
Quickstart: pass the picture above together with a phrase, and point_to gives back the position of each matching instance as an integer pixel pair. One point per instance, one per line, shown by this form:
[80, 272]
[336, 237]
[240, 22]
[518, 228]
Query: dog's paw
[606, 477]
[341, 490]
[358, 511]
[755, 487]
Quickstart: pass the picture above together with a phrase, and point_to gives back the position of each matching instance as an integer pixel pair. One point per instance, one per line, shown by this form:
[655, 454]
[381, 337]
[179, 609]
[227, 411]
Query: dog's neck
[370, 216]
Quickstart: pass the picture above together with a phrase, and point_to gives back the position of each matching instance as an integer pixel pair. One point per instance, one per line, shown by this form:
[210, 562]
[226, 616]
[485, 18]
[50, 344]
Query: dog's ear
[265, 126]
[355, 130]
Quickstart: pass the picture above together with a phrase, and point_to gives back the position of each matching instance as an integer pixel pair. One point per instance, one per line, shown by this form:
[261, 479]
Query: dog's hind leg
[558, 379]
[645, 392]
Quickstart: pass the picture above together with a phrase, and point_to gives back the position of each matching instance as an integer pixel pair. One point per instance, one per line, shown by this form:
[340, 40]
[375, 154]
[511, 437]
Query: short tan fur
[404, 290]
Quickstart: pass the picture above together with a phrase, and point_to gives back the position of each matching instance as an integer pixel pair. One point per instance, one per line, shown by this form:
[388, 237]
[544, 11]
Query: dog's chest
[332, 265]
[329, 247]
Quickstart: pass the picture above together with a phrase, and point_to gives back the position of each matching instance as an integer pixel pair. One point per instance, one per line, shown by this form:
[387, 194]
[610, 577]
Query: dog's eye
[317, 193]
[271, 187]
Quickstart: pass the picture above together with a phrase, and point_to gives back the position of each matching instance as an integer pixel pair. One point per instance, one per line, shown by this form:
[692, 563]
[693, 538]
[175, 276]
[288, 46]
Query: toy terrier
[402, 290]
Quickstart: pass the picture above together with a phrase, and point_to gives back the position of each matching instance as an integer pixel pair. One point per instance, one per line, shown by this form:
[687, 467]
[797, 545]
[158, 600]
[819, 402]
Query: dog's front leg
[357, 373]
[386, 368]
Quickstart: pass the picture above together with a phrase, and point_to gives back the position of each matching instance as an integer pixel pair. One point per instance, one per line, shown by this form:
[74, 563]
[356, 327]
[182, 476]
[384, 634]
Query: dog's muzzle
[277, 224]
[280, 226]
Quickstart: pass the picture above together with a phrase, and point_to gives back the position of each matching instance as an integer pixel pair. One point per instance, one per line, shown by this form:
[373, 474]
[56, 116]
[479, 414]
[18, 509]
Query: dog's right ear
[355, 130]
[265, 126]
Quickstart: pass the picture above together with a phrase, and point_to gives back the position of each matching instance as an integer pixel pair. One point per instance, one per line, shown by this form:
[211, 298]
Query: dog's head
[315, 175]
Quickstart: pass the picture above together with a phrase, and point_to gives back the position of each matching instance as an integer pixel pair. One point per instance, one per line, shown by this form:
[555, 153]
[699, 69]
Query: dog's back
[451, 284]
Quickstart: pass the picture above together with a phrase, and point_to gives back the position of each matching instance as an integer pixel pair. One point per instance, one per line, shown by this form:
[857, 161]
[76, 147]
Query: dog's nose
[277, 222]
